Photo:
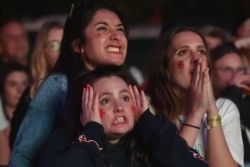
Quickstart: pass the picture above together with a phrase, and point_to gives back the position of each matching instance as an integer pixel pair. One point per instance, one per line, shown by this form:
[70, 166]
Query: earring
[82, 53]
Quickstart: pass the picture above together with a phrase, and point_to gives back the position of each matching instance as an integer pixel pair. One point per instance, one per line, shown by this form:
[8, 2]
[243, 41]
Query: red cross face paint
[98, 35]
[180, 64]
[102, 113]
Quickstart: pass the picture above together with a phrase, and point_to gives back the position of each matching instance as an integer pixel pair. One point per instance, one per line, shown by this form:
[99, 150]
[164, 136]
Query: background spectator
[14, 79]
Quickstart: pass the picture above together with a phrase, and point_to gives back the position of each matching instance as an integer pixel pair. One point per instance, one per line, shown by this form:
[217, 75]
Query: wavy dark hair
[81, 14]
[164, 94]
[129, 141]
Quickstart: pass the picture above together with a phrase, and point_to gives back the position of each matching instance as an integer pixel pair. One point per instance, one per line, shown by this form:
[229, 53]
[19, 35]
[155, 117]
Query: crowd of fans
[73, 86]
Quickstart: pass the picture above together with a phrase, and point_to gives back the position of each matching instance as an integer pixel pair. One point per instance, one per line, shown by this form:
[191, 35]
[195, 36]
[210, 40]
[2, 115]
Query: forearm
[218, 153]
[4, 147]
[191, 127]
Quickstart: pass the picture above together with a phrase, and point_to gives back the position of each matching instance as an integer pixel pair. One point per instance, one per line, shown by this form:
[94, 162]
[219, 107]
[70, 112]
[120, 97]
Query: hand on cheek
[139, 102]
[90, 111]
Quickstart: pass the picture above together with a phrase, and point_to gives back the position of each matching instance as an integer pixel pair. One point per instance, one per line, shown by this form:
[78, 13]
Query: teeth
[119, 120]
[113, 49]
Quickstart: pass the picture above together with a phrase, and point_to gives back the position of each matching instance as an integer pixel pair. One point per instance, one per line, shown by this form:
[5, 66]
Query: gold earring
[82, 53]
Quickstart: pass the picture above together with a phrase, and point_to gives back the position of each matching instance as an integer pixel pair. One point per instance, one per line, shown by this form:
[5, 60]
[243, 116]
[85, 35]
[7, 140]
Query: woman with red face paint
[94, 34]
[116, 128]
[179, 85]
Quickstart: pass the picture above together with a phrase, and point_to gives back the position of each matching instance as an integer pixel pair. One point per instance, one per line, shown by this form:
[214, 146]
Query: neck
[22, 61]
[9, 110]
[89, 66]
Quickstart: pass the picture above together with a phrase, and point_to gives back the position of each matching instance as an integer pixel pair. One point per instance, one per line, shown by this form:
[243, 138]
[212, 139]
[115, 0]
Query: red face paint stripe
[102, 113]
[180, 64]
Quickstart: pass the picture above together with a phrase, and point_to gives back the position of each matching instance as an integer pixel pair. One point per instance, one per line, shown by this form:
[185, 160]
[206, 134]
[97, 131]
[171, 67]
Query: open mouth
[120, 120]
[114, 49]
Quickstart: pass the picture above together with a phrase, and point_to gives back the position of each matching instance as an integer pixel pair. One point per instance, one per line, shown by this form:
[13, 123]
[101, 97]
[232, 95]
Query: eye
[183, 52]
[54, 46]
[202, 52]
[102, 29]
[104, 101]
[121, 29]
[126, 98]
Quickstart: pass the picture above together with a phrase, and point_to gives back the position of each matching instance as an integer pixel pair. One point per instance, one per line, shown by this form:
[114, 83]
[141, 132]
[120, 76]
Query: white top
[230, 118]
[3, 121]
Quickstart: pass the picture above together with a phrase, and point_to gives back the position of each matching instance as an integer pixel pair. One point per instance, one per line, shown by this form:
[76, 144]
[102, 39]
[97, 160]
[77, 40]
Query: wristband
[214, 121]
[196, 127]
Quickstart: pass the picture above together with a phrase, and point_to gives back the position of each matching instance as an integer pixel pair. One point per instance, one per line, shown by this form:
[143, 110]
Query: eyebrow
[106, 24]
[108, 93]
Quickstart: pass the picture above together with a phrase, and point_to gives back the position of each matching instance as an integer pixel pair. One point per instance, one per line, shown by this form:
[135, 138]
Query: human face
[106, 43]
[225, 69]
[212, 42]
[244, 30]
[15, 83]
[52, 48]
[186, 49]
[116, 107]
[14, 42]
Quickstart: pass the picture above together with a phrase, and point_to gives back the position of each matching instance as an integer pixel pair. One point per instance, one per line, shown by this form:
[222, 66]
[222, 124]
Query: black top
[156, 134]
[243, 104]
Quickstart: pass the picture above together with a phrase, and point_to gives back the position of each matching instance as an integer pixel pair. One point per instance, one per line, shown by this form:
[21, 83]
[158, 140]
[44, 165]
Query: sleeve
[231, 128]
[37, 123]
[3, 121]
[165, 147]
[58, 151]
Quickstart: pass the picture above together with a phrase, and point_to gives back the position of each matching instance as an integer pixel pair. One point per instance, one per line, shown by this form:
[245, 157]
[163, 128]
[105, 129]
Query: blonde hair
[39, 67]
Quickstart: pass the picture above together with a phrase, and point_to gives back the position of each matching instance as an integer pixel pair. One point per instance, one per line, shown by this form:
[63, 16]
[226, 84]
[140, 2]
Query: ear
[76, 46]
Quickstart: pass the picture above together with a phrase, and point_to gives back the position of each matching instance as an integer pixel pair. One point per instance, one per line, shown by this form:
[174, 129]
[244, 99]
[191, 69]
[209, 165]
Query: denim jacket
[48, 103]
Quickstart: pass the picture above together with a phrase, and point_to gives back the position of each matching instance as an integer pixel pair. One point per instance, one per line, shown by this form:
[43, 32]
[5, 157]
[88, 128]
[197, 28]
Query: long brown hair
[39, 67]
[164, 94]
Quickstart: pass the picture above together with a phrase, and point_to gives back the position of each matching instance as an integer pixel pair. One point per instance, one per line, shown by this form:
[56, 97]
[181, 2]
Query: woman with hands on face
[112, 126]
[179, 85]
[95, 34]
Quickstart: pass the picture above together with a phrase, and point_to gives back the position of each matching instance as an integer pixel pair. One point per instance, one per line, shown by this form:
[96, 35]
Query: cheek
[98, 35]
[180, 64]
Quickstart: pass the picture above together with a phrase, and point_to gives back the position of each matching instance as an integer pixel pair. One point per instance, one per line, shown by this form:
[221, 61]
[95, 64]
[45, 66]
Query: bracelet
[214, 121]
[196, 127]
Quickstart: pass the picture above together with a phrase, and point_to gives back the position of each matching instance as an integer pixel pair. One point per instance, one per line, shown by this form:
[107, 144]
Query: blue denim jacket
[49, 102]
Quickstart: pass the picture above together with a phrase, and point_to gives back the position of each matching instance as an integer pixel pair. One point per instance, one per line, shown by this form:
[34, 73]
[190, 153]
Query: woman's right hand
[241, 80]
[90, 107]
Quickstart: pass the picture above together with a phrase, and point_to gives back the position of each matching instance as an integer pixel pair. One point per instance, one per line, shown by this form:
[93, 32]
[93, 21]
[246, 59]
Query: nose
[20, 89]
[195, 58]
[115, 36]
[118, 107]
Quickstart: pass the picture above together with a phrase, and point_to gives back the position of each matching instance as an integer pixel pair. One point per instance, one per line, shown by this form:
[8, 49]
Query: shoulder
[226, 107]
[58, 77]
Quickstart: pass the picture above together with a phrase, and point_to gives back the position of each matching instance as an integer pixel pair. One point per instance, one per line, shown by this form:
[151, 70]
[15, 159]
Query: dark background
[220, 12]
[140, 12]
